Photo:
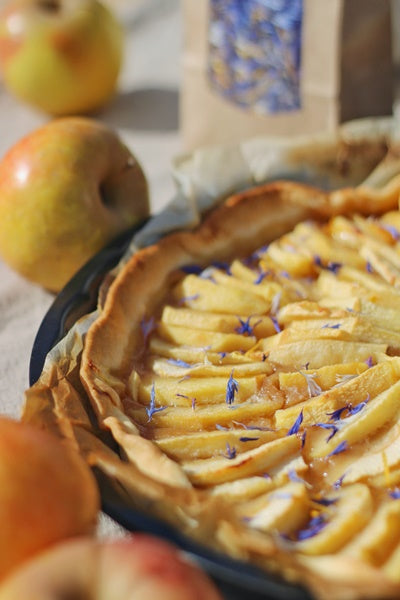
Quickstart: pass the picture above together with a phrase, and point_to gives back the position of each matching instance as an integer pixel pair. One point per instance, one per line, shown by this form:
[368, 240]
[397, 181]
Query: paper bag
[282, 67]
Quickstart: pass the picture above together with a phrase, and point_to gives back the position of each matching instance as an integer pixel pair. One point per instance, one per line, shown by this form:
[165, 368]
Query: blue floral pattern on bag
[255, 53]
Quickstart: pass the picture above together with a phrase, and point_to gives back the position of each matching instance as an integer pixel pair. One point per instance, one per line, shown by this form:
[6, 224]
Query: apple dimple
[50, 6]
[106, 195]
[122, 183]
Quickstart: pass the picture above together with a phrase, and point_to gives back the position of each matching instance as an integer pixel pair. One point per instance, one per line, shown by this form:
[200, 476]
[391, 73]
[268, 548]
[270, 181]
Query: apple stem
[52, 6]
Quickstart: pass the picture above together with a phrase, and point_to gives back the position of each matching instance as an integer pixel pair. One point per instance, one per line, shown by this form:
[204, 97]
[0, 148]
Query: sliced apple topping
[283, 511]
[206, 294]
[356, 423]
[172, 392]
[218, 342]
[312, 382]
[235, 465]
[320, 407]
[391, 567]
[273, 383]
[376, 542]
[329, 530]
[206, 445]
[178, 368]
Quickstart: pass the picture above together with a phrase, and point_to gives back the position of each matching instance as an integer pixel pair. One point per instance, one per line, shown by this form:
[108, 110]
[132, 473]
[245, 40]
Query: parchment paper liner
[363, 154]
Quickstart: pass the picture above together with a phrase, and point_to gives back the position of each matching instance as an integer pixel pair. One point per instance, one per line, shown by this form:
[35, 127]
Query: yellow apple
[61, 56]
[139, 567]
[66, 190]
[47, 493]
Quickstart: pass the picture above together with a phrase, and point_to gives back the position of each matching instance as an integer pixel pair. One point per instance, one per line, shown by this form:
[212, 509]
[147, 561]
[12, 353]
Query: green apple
[47, 493]
[138, 567]
[66, 190]
[61, 56]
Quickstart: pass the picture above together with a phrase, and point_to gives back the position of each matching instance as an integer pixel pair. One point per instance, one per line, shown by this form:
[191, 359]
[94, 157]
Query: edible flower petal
[230, 451]
[296, 425]
[337, 414]
[314, 526]
[325, 501]
[276, 324]
[152, 409]
[232, 388]
[185, 299]
[179, 363]
[147, 326]
[339, 482]
[331, 266]
[276, 300]
[260, 278]
[313, 388]
[192, 269]
[339, 448]
[395, 494]
[395, 233]
[245, 328]
[330, 426]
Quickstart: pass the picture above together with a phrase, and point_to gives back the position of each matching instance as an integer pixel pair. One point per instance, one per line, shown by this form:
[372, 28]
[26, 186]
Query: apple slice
[383, 456]
[321, 352]
[177, 369]
[200, 338]
[205, 445]
[351, 513]
[220, 323]
[376, 542]
[325, 377]
[295, 263]
[250, 487]
[391, 567]
[190, 354]
[180, 392]
[206, 295]
[258, 460]
[205, 417]
[358, 427]
[283, 510]
[370, 383]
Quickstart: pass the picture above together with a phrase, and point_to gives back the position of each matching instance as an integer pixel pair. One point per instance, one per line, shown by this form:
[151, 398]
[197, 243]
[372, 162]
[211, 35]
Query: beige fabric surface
[145, 112]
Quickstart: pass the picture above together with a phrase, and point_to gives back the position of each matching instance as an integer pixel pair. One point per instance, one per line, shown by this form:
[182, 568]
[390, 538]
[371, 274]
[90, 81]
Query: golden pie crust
[245, 382]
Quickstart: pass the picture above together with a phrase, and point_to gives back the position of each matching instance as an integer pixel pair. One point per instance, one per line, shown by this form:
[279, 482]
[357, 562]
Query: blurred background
[145, 109]
[164, 102]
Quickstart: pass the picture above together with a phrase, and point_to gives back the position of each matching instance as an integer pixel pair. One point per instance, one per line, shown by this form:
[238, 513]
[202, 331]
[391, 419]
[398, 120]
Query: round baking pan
[234, 578]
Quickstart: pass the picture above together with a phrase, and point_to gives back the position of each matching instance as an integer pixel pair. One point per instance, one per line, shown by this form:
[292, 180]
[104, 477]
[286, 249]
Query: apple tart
[248, 371]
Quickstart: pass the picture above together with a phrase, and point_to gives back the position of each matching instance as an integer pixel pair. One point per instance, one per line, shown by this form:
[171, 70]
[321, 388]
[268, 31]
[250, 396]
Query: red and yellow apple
[47, 493]
[138, 567]
[61, 56]
[66, 190]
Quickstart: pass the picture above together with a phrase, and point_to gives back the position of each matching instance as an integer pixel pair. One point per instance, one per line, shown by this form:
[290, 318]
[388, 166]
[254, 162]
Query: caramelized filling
[275, 382]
